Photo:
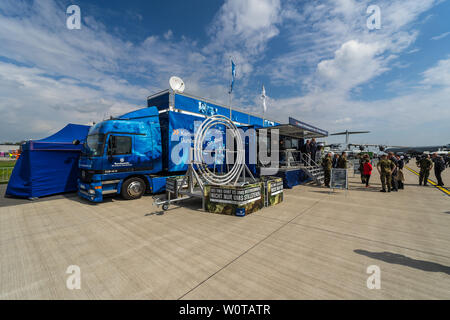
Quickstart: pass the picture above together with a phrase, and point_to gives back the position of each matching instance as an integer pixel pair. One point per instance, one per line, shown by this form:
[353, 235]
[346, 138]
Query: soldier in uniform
[439, 166]
[327, 164]
[425, 164]
[394, 173]
[342, 162]
[362, 160]
[385, 167]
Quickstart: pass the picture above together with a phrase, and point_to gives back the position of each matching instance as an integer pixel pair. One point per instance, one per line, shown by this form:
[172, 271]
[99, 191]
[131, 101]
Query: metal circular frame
[200, 136]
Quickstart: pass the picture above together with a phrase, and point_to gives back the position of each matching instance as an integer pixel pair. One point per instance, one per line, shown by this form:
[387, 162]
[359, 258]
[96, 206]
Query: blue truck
[130, 154]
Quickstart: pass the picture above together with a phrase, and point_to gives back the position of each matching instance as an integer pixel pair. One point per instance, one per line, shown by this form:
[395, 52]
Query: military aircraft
[419, 150]
[347, 135]
[346, 147]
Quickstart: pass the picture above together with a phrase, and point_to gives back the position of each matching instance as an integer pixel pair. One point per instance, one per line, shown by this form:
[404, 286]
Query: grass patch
[7, 163]
[6, 173]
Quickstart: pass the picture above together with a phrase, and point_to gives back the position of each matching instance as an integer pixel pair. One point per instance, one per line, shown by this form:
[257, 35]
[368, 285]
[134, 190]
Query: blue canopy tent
[48, 166]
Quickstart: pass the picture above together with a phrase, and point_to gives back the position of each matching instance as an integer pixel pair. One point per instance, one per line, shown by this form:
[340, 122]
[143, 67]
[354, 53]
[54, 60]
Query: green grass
[7, 163]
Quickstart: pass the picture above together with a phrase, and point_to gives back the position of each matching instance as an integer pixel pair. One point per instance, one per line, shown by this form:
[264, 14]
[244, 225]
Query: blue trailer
[131, 154]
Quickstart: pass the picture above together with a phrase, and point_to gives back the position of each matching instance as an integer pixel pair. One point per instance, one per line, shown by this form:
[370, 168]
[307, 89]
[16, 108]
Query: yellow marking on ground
[445, 190]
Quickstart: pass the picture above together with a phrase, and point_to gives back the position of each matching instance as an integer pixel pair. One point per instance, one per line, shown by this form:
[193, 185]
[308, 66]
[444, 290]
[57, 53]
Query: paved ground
[315, 245]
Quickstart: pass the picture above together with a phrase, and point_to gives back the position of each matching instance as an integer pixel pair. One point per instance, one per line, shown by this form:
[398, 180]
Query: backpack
[440, 165]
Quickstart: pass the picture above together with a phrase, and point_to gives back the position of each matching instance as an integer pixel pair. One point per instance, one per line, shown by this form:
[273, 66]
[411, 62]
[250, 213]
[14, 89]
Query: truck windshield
[94, 145]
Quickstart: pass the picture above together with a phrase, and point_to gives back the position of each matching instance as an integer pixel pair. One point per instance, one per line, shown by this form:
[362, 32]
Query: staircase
[314, 171]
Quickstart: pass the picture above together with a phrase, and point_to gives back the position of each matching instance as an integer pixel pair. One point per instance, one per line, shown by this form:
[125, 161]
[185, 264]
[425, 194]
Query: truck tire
[133, 188]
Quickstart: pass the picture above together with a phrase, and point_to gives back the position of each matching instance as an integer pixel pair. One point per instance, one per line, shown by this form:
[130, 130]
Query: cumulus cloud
[251, 22]
[332, 54]
[391, 120]
[438, 75]
[241, 30]
[354, 63]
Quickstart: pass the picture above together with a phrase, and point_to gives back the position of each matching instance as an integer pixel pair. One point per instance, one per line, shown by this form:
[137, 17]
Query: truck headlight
[91, 191]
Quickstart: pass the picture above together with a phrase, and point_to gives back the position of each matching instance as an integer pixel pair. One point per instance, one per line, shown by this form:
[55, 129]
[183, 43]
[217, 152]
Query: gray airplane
[418, 150]
[339, 147]
[347, 135]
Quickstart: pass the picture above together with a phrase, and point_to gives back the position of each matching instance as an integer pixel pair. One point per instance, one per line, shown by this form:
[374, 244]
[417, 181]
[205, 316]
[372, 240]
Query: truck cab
[120, 155]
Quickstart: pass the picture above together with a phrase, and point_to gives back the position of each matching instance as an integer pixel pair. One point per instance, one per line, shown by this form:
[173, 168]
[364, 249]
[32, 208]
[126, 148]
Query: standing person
[361, 166]
[425, 165]
[327, 165]
[406, 160]
[342, 163]
[447, 160]
[308, 152]
[394, 173]
[313, 149]
[400, 175]
[439, 166]
[319, 153]
[335, 161]
[385, 167]
[367, 170]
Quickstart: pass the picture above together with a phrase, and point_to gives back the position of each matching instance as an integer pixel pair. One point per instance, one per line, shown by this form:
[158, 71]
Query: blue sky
[317, 59]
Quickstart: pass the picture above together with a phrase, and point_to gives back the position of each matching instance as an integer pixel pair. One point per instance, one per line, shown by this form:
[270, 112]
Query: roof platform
[299, 130]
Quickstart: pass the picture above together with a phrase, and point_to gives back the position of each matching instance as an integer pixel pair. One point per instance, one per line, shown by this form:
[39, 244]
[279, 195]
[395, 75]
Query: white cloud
[438, 75]
[242, 29]
[441, 36]
[318, 29]
[344, 120]
[168, 35]
[416, 116]
[252, 22]
[354, 63]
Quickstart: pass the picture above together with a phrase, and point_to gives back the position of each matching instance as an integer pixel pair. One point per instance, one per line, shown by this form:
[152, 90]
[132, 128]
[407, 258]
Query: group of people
[390, 167]
[426, 164]
[309, 151]
[337, 162]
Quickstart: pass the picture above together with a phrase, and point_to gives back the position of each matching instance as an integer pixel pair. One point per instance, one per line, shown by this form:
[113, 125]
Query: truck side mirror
[76, 142]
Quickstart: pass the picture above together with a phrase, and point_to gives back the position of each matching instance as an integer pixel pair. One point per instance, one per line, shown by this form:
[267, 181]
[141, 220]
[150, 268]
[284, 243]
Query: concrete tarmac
[315, 245]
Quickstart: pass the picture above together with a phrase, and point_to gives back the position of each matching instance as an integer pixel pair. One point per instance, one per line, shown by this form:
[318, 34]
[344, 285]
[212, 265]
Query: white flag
[263, 96]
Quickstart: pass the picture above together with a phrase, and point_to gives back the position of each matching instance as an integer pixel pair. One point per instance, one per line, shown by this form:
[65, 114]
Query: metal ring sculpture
[200, 135]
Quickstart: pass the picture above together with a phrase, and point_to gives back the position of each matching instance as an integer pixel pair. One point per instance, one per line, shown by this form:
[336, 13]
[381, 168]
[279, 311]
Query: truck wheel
[133, 188]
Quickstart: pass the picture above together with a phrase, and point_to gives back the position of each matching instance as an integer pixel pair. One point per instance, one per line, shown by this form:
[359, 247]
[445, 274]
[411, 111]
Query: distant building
[8, 147]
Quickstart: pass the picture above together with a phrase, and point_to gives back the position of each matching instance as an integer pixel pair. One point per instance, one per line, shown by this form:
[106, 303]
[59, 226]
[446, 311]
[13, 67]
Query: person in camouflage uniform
[327, 164]
[385, 167]
[342, 162]
[361, 159]
[425, 164]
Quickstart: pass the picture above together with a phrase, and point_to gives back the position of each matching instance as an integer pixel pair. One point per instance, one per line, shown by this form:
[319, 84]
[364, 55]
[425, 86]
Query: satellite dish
[176, 84]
